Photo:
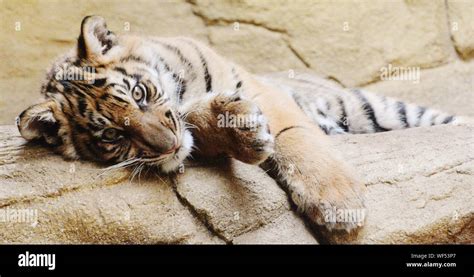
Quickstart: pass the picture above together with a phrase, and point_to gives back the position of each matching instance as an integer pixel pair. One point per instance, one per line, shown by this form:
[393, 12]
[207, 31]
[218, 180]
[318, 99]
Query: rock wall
[348, 41]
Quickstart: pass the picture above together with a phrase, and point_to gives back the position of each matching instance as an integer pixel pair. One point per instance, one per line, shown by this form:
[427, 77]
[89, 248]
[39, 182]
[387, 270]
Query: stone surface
[286, 229]
[349, 40]
[49, 28]
[461, 19]
[420, 190]
[266, 50]
[236, 199]
[420, 184]
[448, 88]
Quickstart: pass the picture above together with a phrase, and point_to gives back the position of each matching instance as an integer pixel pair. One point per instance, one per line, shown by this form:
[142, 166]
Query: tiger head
[107, 100]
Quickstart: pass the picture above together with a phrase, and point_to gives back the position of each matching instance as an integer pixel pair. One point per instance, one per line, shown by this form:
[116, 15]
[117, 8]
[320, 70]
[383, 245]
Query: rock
[348, 41]
[29, 27]
[273, 51]
[461, 21]
[286, 229]
[240, 200]
[420, 184]
[448, 88]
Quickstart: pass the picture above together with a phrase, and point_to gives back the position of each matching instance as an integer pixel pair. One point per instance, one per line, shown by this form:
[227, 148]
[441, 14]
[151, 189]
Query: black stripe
[99, 82]
[165, 64]
[101, 120]
[174, 121]
[433, 119]
[343, 118]
[126, 152]
[69, 103]
[135, 59]
[137, 77]
[119, 99]
[448, 119]
[328, 105]
[402, 113]
[207, 75]
[116, 84]
[90, 115]
[121, 70]
[98, 107]
[421, 112]
[82, 105]
[188, 64]
[286, 129]
[370, 111]
[66, 84]
[127, 83]
[181, 84]
[238, 85]
[324, 128]
[81, 43]
[93, 127]
[181, 89]
[178, 52]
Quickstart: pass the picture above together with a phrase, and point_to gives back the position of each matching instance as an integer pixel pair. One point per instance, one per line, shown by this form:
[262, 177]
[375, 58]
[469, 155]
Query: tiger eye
[110, 134]
[138, 93]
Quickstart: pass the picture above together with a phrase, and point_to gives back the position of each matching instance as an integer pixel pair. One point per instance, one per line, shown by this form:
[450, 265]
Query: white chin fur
[172, 164]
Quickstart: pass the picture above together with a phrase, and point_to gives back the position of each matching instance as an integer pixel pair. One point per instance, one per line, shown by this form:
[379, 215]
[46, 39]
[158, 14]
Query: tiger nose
[158, 136]
[161, 139]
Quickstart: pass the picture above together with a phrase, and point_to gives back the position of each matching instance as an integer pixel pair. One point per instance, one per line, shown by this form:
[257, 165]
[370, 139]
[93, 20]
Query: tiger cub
[154, 100]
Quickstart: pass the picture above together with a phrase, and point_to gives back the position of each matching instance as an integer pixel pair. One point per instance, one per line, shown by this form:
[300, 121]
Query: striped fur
[358, 111]
[154, 100]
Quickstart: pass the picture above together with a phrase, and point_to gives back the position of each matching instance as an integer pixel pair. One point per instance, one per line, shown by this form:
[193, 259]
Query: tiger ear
[95, 39]
[40, 122]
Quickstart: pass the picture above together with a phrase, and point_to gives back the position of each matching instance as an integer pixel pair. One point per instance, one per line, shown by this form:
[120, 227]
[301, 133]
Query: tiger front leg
[227, 124]
[318, 181]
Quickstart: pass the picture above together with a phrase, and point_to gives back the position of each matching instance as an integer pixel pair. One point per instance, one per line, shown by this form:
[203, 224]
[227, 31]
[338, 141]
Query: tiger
[158, 100]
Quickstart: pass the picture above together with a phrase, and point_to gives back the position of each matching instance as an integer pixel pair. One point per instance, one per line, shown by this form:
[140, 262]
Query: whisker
[140, 169]
[120, 165]
[158, 175]
[188, 125]
[134, 173]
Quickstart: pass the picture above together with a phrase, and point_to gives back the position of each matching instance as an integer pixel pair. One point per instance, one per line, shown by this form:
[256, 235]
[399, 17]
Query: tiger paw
[245, 126]
[337, 205]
